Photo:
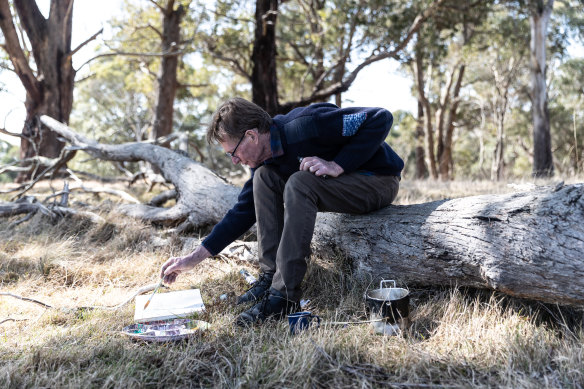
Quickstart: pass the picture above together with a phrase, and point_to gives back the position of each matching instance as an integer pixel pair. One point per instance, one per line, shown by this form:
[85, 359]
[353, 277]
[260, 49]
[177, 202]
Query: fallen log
[528, 244]
[202, 196]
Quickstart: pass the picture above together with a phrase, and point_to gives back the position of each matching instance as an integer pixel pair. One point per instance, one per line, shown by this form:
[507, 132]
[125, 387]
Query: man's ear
[254, 134]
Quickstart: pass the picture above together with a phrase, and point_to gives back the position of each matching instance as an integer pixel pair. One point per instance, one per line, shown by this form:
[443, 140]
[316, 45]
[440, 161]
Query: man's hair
[234, 117]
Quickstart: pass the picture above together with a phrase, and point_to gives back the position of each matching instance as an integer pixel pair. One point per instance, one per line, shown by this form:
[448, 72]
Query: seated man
[317, 158]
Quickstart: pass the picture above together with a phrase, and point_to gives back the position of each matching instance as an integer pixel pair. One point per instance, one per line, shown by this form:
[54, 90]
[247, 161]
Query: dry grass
[458, 338]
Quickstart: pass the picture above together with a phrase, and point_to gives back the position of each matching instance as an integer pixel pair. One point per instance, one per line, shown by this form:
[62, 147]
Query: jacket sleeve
[235, 223]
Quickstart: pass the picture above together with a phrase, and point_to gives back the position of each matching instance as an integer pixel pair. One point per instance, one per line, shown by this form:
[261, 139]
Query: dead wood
[202, 196]
[44, 305]
[526, 244]
[30, 206]
[11, 319]
[142, 290]
[161, 199]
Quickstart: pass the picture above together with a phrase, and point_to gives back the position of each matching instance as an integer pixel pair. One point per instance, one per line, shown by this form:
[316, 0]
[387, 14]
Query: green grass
[458, 338]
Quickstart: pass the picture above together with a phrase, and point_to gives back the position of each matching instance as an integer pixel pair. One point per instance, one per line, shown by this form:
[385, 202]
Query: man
[317, 158]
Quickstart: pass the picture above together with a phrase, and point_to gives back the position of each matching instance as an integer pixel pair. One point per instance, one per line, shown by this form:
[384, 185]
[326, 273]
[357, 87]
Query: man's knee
[299, 183]
[264, 176]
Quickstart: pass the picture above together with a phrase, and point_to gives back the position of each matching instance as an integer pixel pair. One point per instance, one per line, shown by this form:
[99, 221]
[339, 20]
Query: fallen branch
[161, 199]
[11, 319]
[95, 177]
[142, 290]
[197, 187]
[102, 189]
[17, 208]
[95, 218]
[66, 156]
[45, 305]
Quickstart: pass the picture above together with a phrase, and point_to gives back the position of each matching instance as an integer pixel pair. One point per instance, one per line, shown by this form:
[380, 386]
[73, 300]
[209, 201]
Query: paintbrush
[153, 293]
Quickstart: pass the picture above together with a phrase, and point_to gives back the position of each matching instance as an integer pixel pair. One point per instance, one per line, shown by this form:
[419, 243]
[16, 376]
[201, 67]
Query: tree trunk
[50, 91]
[524, 244]
[264, 80]
[497, 166]
[543, 165]
[421, 168]
[443, 104]
[167, 81]
[446, 158]
[419, 78]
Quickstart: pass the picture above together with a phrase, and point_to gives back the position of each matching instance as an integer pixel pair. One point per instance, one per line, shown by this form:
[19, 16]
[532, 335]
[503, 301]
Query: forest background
[460, 88]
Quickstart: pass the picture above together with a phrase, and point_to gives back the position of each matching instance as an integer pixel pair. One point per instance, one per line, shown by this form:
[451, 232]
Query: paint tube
[248, 277]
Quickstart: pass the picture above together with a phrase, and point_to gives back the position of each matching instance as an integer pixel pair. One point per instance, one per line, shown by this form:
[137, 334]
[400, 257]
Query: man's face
[245, 150]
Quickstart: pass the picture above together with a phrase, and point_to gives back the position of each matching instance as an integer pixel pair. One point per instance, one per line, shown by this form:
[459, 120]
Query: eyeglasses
[232, 154]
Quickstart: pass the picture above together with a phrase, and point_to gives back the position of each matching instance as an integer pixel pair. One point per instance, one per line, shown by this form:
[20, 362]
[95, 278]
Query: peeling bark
[528, 245]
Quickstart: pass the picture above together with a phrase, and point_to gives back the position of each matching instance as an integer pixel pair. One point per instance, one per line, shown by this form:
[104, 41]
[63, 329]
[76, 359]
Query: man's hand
[176, 265]
[320, 167]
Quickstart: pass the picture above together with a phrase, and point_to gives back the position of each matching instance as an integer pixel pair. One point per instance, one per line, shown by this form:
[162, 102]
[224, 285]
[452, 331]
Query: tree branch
[15, 134]
[32, 19]
[129, 54]
[159, 6]
[142, 290]
[45, 305]
[235, 63]
[15, 52]
[84, 43]
[66, 155]
[11, 319]
[343, 85]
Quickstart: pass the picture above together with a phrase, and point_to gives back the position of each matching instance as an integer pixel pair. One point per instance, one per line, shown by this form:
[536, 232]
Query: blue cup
[300, 321]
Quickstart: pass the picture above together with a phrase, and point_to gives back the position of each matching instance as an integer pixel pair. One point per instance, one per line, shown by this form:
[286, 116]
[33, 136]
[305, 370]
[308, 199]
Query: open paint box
[165, 331]
[168, 317]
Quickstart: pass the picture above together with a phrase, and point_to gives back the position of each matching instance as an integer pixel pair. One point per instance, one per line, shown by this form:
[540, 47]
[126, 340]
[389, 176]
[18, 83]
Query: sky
[89, 16]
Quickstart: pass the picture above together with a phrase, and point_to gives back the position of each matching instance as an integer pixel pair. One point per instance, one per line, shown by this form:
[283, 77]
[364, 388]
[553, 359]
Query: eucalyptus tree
[500, 56]
[437, 62]
[45, 69]
[144, 65]
[306, 36]
[540, 12]
[567, 116]
[166, 82]
[543, 14]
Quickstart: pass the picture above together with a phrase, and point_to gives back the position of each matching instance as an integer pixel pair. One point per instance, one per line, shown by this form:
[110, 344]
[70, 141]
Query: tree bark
[419, 79]
[264, 80]
[421, 168]
[202, 197]
[525, 244]
[446, 157]
[50, 91]
[167, 79]
[543, 165]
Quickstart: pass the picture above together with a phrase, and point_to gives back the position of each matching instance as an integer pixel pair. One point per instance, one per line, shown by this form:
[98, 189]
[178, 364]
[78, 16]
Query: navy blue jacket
[352, 137]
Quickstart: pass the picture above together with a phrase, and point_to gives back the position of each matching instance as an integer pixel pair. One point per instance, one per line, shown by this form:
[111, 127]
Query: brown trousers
[286, 214]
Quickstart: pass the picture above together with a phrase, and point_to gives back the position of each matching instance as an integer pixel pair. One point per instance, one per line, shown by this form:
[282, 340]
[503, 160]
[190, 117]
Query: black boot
[258, 289]
[273, 306]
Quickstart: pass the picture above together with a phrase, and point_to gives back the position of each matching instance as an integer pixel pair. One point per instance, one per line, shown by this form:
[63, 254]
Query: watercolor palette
[165, 331]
